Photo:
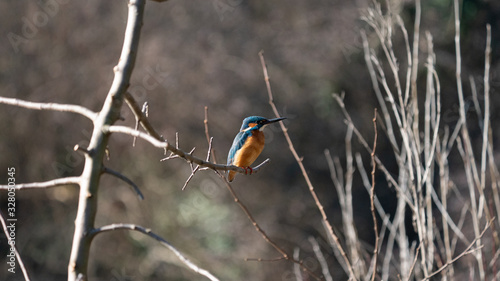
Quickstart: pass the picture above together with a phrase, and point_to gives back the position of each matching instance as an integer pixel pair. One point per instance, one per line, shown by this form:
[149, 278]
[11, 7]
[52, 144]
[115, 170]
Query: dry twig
[372, 196]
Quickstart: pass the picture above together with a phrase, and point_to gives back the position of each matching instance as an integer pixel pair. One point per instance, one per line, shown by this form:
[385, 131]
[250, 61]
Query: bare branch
[187, 156]
[109, 114]
[50, 106]
[372, 196]
[417, 252]
[125, 179]
[321, 259]
[486, 122]
[296, 266]
[141, 116]
[193, 171]
[45, 184]
[207, 134]
[158, 238]
[145, 111]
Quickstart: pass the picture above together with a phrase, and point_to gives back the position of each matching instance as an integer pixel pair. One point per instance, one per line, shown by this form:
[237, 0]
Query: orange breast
[250, 150]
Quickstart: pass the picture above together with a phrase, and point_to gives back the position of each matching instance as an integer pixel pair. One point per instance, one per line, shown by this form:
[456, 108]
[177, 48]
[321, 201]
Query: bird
[248, 143]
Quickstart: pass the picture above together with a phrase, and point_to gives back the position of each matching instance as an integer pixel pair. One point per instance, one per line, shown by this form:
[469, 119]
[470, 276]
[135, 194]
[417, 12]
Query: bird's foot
[248, 170]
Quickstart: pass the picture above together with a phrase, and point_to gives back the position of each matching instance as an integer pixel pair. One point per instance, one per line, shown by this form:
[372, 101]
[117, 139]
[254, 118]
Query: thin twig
[486, 122]
[145, 112]
[207, 134]
[468, 154]
[173, 155]
[12, 245]
[264, 260]
[158, 238]
[467, 251]
[134, 186]
[45, 184]
[378, 93]
[50, 106]
[140, 116]
[304, 172]
[193, 171]
[414, 261]
[372, 196]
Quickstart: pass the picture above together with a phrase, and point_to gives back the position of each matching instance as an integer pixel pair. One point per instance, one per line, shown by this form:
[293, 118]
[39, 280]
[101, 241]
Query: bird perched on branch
[248, 143]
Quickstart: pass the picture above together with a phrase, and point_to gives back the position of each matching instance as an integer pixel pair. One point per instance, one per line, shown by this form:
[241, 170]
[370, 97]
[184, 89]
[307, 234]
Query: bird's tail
[231, 175]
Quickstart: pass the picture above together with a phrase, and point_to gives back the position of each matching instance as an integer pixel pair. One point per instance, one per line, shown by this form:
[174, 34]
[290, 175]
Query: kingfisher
[248, 143]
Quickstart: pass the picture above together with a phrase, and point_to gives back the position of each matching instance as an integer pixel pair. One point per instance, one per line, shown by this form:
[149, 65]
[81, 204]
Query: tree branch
[185, 155]
[140, 116]
[193, 171]
[50, 106]
[158, 238]
[125, 179]
[372, 196]
[109, 114]
[45, 184]
[321, 258]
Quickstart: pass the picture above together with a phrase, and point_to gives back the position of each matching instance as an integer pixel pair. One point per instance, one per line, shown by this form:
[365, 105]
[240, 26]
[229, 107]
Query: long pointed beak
[269, 121]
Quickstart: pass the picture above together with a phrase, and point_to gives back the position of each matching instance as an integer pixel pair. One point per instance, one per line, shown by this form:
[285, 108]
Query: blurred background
[195, 54]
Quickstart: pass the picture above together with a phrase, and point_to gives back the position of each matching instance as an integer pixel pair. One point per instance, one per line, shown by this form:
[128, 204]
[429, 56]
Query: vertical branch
[486, 122]
[414, 70]
[372, 196]
[87, 205]
[207, 134]
[321, 259]
[467, 153]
